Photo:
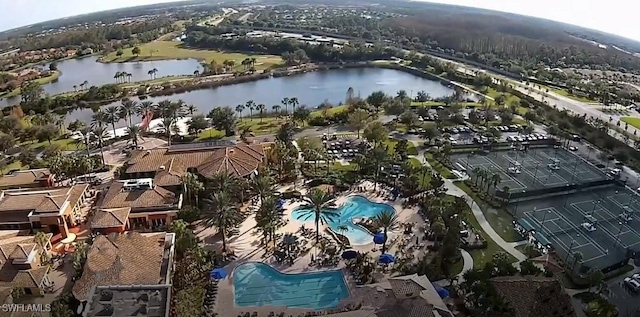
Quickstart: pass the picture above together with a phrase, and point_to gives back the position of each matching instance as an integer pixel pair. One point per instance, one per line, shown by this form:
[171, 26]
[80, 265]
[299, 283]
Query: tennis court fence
[526, 194]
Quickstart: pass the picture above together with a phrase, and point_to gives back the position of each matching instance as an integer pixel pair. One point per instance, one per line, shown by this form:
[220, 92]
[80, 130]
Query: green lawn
[565, 93]
[438, 167]
[210, 134]
[499, 219]
[632, 121]
[163, 50]
[344, 168]
[259, 126]
[17, 165]
[482, 256]
[411, 148]
[329, 112]
[509, 98]
[44, 80]
[65, 145]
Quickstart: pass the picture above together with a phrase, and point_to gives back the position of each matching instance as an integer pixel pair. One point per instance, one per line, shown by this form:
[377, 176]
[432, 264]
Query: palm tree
[438, 228]
[117, 76]
[262, 185]
[388, 220]
[222, 182]
[251, 105]
[145, 108]
[127, 109]
[129, 75]
[192, 186]
[166, 125]
[285, 103]
[495, 180]
[276, 109]
[221, 213]
[269, 218]
[294, 103]
[86, 133]
[152, 73]
[113, 117]
[261, 108]
[100, 133]
[317, 204]
[75, 88]
[133, 132]
[289, 240]
[475, 173]
[191, 109]
[239, 110]
[577, 258]
[42, 240]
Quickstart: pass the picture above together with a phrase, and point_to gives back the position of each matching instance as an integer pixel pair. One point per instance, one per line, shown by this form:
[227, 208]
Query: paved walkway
[468, 264]
[509, 247]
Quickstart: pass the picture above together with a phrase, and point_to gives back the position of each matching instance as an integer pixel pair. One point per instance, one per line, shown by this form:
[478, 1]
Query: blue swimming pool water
[258, 284]
[355, 207]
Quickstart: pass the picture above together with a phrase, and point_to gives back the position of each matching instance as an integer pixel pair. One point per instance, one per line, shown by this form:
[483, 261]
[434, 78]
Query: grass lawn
[17, 165]
[44, 80]
[411, 148]
[163, 50]
[329, 112]
[438, 167]
[64, 144]
[632, 121]
[509, 98]
[210, 134]
[343, 168]
[565, 93]
[499, 219]
[268, 125]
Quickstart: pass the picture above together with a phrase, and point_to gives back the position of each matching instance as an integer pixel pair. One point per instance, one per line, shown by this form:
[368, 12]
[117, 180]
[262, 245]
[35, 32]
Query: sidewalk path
[468, 264]
[454, 190]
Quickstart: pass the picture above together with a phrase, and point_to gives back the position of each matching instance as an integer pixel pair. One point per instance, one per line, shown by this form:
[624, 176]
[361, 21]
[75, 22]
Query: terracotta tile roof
[18, 247]
[172, 174]
[15, 205]
[532, 296]
[122, 259]
[157, 197]
[109, 218]
[240, 160]
[24, 178]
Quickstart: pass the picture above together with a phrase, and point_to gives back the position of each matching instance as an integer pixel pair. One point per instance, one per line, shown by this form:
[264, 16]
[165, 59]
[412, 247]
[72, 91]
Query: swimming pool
[258, 284]
[355, 207]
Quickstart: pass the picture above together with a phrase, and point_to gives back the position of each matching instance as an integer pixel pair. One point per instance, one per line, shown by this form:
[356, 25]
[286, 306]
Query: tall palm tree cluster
[485, 180]
[262, 108]
[83, 85]
[122, 77]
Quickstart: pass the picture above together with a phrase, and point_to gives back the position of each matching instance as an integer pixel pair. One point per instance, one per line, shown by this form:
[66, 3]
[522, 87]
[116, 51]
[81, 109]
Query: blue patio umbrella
[386, 258]
[378, 238]
[218, 274]
[442, 292]
[349, 254]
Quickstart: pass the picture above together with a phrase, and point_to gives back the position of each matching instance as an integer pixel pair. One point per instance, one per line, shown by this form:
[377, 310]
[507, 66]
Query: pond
[76, 71]
[311, 89]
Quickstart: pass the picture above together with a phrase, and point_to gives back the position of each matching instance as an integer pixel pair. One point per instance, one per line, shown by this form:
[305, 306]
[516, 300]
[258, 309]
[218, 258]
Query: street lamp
[595, 203]
[544, 217]
[615, 242]
[570, 249]
[535, 173]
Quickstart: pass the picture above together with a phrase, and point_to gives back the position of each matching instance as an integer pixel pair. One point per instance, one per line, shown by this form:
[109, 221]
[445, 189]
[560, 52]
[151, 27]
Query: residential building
[117, 260]
[533, 296]
[135, 204]
[27, 179]
[20, 263]
[167, 165]
[52, 210]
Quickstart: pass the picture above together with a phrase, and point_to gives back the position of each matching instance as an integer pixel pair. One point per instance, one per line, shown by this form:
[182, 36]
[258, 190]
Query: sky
[612, 16]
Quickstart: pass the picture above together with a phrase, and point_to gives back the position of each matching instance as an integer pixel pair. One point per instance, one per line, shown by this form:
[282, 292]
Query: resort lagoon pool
[354, 207]
[258, 284]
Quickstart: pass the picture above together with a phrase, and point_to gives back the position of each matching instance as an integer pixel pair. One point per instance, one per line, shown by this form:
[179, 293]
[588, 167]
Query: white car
[625, 216]
[588, 226]
[573, 148]
[636, 277]
[632, 284]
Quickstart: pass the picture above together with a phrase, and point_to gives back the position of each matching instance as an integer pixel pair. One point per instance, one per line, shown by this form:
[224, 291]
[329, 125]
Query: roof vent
[162, 168]
[148, 152]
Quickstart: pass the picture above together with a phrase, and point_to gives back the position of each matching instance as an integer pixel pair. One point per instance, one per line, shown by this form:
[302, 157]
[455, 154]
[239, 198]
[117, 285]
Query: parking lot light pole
[569, 252]
[615, 242]
[535, 173]
[595, 203]
[544, 217]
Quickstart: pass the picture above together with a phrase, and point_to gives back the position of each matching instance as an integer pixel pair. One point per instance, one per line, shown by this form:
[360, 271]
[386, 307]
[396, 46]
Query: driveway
[628, 302]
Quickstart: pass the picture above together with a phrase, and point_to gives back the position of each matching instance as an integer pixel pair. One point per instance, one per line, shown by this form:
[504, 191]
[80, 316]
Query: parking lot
[339, 147]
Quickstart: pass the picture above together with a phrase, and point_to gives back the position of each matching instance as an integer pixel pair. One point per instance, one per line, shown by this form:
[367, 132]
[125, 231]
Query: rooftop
[532, 296]
[171, 163]
[15, 205]
[24, 178]
[128, 258]
[15, 247]
[135, 300]
[109, 218]
[155, 197]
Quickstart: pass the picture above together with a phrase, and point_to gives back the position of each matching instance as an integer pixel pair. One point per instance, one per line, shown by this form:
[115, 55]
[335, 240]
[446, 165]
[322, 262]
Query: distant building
[20, 265]
[27, 179]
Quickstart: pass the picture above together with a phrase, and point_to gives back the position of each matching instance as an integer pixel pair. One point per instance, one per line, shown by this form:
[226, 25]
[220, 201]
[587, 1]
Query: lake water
[76, 71]
[311, 89]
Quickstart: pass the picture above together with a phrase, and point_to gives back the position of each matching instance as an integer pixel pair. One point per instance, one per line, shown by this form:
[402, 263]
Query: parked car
[632, 284]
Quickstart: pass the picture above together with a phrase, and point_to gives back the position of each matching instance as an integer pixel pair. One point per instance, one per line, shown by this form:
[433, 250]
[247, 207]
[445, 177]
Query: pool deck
[247, 248]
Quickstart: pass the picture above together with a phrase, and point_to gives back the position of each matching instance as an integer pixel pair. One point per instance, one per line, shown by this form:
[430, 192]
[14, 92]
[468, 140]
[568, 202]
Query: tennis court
[536, 168]
[559, 220]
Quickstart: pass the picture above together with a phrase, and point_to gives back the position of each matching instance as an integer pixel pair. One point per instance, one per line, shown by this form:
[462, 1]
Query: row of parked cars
[633, 282]
[527, 137]
[508, 128]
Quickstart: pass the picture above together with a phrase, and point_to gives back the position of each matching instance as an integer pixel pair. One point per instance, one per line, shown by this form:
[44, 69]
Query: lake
[311, 89]
[76, 71]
